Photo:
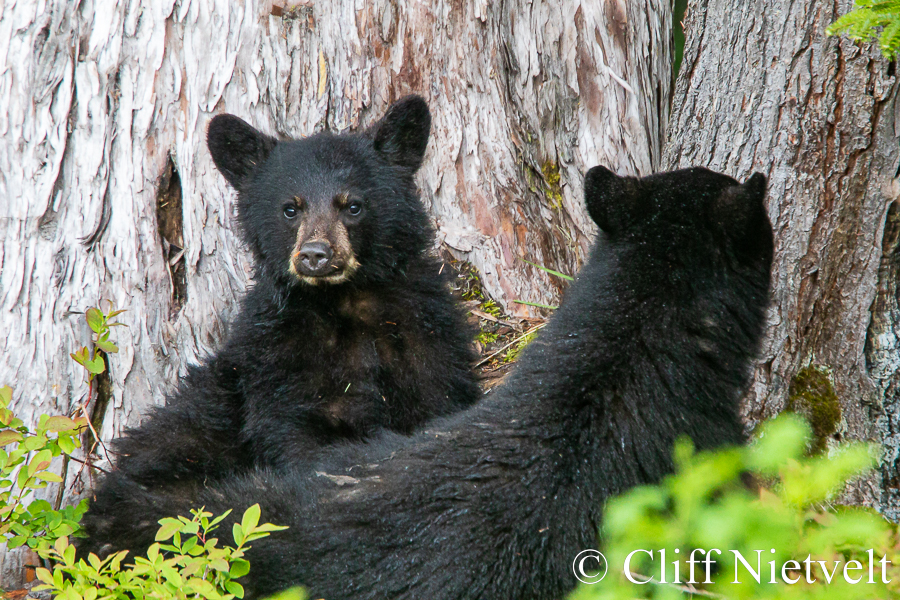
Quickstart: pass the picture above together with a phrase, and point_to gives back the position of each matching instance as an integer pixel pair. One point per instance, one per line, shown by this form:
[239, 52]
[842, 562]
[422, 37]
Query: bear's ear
[237, 148]
[401, 136]
[604, 195]
[741, 212]
[755, 187]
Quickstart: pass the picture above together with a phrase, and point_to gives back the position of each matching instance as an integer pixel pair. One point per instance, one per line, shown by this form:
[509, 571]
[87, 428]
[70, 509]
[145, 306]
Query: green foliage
[705, 505]
[185, 562]
[190, 565]
[490, 307]
[101, 323]
[486, 337]
[25, 459]
[870, 20]
[516, 349]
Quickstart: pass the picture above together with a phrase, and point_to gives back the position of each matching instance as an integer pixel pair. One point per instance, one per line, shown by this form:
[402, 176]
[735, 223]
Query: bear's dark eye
[290, 211]
[354, 208]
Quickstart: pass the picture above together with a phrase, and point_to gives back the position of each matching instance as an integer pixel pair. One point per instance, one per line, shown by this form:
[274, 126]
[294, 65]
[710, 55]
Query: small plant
[25, 458]
[94, 363]
[870, 20]
[788, 527]
[101, 324]
[486, 337]
[513, 353]
[190, 565]
[490, 307]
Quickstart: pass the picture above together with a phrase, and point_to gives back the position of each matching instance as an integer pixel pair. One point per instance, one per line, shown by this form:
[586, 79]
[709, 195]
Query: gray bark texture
[762, 88]
[107, 190]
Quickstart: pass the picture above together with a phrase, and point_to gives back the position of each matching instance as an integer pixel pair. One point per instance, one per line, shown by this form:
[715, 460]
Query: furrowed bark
[763, 89]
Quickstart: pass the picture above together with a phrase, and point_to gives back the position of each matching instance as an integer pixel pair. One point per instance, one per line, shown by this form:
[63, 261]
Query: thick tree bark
[107, 190]
[763, 89]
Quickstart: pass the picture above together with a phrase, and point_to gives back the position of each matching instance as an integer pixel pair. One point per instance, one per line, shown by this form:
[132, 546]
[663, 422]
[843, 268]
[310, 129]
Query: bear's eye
[290, 211]
[354, 208]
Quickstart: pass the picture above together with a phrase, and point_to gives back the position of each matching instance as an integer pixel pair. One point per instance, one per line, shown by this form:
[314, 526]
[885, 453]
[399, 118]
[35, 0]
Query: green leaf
[233, 587]
[8, 436]
[5, 395]
[33, 443]
[107, 347]
[219, 519]
[60, 423]
[153, 552]
[94, 319]
[219, 564]
[171, 575]
[238, 534]
[49, 476]
[80, 356]
[168, 529]
[96, 365]
[268, 527]
[239, 568]
[67, 444]
[190, 528]
[40, 462]
[44, 575]
[250, 519]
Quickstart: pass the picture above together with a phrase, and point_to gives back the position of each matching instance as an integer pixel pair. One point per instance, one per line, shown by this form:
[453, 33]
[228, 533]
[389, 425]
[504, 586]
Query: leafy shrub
[24, 469]
[870, 20]
[191, 565]
[706, 505]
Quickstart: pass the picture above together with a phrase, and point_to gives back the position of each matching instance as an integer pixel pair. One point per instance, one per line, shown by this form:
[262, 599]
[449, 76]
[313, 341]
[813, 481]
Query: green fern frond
[863, 23]
[890, 39]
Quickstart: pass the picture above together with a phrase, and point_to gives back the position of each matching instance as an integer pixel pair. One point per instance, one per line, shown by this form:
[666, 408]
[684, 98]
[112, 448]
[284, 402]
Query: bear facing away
[653, 341]
[348, 329]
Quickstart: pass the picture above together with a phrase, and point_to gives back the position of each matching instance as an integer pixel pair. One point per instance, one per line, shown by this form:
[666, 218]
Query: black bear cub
[653, 341]
[350, 327]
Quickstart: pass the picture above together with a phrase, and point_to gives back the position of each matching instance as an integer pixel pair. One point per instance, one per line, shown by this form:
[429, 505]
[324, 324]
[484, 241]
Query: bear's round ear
[755, 187]
[237, 148]
[604, 195]
[401, 136]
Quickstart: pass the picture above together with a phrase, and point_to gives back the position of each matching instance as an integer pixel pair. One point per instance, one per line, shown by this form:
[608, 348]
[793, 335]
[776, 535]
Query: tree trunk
[107, 190]
[763, 89]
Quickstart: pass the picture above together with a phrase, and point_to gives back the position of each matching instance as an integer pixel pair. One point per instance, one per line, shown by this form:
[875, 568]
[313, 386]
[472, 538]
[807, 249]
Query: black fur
[306, 363]
[654, 340]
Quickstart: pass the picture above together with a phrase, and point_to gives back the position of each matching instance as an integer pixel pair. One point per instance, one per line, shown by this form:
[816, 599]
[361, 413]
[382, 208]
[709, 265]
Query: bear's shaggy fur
[654, 340]
[350, 327]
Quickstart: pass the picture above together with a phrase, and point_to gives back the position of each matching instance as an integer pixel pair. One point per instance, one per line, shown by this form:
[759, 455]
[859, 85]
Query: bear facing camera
[348, 329]
[321, 208]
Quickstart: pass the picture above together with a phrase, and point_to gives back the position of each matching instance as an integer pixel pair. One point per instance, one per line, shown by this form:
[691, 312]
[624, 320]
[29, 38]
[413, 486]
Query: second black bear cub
[349, 327]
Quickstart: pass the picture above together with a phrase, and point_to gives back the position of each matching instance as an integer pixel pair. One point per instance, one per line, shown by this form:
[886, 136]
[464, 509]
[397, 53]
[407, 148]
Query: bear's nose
[315, 256]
